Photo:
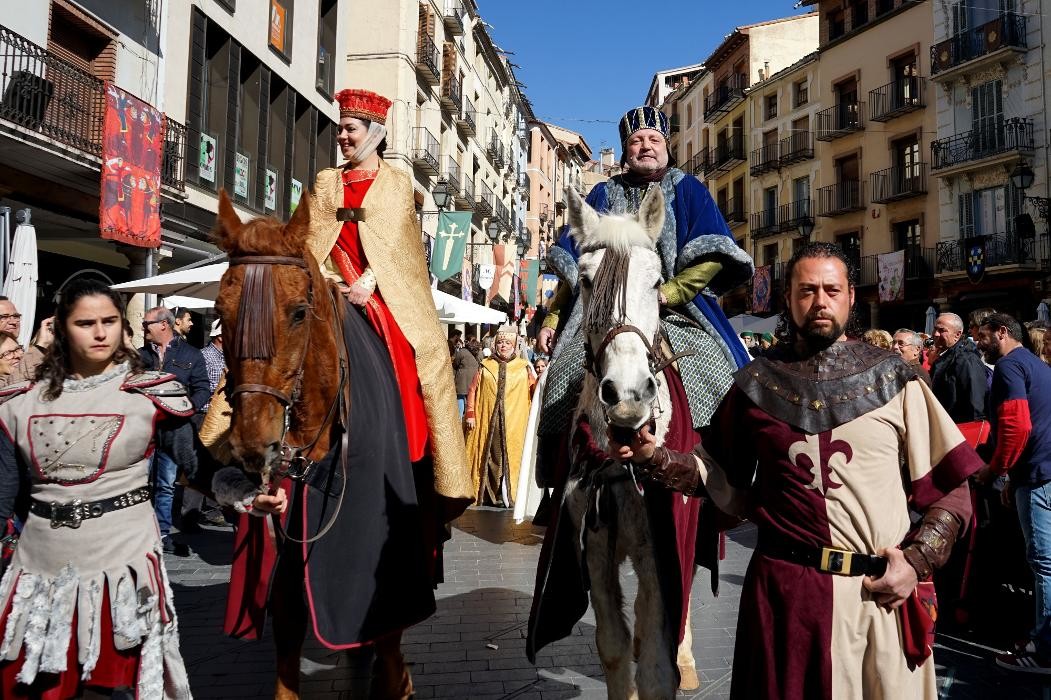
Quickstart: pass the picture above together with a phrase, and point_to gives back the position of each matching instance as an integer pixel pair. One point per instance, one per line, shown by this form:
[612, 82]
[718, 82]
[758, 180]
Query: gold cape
[390, 237]
[516, 416]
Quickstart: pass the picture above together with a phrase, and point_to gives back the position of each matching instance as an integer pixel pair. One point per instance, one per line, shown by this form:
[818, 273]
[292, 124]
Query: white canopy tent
[197, 287]
[755, 324]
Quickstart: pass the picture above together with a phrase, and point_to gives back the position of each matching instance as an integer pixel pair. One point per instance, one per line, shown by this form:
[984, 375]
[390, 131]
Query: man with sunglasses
[167, 351]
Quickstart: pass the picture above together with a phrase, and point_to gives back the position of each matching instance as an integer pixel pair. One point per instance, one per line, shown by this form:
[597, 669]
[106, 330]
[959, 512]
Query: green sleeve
[684, 286]
[563, 294]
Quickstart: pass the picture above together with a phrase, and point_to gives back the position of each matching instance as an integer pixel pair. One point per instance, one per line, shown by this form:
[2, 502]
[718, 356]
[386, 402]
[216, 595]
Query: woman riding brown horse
[317, 413]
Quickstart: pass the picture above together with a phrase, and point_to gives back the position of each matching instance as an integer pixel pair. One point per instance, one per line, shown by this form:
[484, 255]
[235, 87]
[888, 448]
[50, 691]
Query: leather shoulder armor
[12, 390]
[163, 389]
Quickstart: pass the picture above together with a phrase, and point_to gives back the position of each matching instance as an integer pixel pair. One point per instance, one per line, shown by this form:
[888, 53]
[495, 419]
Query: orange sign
[278, 13]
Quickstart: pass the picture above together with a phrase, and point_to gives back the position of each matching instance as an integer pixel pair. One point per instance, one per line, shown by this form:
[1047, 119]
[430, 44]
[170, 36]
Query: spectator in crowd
[909, 346]
[1020, 415]
[465, 366]
[183, 321]
[974, 320]
[26, 368]
[878, 338]
[766, 341]
[195, 509]
[748, 338]
[214, 361]
[10, 318]
[1035, 334]
[165, 350]
[958, 377]
[10, 354]
[539, 365]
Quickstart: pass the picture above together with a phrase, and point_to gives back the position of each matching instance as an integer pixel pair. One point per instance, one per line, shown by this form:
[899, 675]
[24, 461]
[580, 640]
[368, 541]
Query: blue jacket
[187, 364]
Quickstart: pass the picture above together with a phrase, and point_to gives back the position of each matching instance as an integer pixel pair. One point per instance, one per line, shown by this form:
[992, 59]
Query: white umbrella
[201, 282]
[182, 302]
[20, 283]
[455, 310]
[932, 314]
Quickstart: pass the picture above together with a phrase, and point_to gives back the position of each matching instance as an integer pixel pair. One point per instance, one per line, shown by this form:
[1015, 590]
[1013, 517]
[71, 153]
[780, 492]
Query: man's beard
[817, 338]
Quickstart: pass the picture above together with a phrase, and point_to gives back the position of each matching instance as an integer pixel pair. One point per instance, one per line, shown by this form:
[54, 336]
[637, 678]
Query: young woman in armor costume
[85, 606]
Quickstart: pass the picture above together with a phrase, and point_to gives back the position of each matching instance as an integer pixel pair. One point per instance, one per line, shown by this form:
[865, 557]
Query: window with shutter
[261, 161]
[195, 94]
[966, 215]
[229, 126]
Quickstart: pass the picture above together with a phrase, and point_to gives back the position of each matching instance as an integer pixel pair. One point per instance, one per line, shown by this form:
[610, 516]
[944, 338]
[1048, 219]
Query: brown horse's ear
[227, 222]
[299, 225]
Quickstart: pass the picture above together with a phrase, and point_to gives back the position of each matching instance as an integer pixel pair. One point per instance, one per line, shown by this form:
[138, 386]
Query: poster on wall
[296, 192]
[278, 18]
[241, 164]
[270, 195]
[206, 162]
[486, 275]
[132, 157]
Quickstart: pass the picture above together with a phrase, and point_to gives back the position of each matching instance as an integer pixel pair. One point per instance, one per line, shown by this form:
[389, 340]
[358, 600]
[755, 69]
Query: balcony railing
[1000, 249]
[464, 197]
[451, 97]
[795, 214]
[428, 63]
[486, 200]
[726, 156]
[725, 97]
[43, 93]
[895, 99]
[1007, 32]
[1014, 134]
[840, 198]
[899, 182]
[733, 211]
[425, 152]
[764, 159]
[453, 17]
[840, 120]
[173, 167]
[797, 147]
[453, 175]
[468, 118]
[765, 223]
[695, 165]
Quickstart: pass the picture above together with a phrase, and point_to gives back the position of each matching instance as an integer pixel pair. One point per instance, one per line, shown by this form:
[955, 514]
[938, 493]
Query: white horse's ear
[583, 220]
[651, 213]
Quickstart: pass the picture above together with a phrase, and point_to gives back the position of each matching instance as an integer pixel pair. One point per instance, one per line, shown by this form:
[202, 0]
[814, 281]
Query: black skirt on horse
[368, 575]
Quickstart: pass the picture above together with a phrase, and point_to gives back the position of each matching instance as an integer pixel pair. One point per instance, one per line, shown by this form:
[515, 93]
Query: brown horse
[283, 324]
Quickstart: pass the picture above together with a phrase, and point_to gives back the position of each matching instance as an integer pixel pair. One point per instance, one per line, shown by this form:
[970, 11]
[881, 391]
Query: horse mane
[615, 232]
[263, 236]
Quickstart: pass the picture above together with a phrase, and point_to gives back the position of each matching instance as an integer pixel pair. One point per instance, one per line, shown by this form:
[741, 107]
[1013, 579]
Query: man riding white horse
[699, 259]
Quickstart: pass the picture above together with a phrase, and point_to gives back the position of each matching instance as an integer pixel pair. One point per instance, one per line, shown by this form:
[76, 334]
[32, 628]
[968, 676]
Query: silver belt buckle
[66, 514]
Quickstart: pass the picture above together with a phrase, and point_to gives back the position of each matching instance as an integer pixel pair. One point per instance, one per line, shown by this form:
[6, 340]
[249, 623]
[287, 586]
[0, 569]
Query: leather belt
[349, 214]
[71, 514]
[829, 560]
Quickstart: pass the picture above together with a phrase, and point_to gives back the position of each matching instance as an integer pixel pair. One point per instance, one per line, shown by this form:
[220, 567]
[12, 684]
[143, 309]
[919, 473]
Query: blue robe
[694, 231]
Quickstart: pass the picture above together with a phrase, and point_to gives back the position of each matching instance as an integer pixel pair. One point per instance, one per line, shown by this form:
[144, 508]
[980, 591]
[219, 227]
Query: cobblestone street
[474, 647]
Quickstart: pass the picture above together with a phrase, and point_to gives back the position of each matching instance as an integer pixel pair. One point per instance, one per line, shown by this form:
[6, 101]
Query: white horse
[619, 278]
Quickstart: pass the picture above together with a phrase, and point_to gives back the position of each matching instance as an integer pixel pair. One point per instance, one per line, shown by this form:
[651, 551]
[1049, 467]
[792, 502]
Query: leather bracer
[933, 543]
[675, 470]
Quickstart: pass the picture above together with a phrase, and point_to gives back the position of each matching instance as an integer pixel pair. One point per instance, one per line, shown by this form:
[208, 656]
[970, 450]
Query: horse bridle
[655, 356]
[294, 463]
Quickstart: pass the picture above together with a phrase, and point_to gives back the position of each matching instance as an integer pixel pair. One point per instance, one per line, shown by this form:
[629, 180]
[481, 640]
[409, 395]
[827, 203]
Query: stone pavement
[474, 647]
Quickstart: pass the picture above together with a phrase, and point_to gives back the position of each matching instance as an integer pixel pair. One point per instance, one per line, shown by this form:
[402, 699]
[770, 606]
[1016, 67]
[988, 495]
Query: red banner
[132, 155]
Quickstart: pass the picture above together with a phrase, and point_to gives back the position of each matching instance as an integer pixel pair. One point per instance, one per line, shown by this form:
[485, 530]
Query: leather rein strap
[654, 352]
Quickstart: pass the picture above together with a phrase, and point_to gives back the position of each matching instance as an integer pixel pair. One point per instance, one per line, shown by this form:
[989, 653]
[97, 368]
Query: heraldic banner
[528, 274]
[891, 276]
[132, 157]
[454, 228]
[761, 289]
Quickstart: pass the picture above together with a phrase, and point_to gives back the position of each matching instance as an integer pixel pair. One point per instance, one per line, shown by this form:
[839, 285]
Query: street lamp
[493, 229]
[1022, 177]
[442, 193]
[806, 227]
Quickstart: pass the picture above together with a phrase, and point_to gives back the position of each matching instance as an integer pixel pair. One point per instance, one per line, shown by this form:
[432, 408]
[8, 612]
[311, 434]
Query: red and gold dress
[349, 256]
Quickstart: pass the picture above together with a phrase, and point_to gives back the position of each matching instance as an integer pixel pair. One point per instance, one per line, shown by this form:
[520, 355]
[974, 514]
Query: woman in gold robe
[366, 238]
[496, 417]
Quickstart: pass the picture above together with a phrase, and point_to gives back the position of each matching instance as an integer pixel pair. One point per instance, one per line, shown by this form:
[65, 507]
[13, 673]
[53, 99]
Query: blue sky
[585, 63]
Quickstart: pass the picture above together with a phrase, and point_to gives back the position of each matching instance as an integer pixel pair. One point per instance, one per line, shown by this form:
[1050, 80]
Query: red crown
[363, 104]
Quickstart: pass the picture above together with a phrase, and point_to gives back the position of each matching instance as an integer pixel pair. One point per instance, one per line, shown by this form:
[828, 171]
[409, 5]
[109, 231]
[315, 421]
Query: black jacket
[187, 364]
[959, 380]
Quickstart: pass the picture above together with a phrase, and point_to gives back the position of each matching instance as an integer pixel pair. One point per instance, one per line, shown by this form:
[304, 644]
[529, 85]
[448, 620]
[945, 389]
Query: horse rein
[658, 361]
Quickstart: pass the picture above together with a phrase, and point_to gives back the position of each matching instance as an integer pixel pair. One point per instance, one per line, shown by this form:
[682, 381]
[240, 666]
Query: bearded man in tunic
[828, 444]
[497, 412]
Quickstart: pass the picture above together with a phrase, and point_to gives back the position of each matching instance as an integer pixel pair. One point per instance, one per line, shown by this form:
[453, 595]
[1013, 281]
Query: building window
[908, 236]
[689, 116]
[326, 47]
[801, 93]
[279, 32]
[246, 165]
[770, 110]
[837, 25]
[987, 116]
[859, 14]
[770, 254]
